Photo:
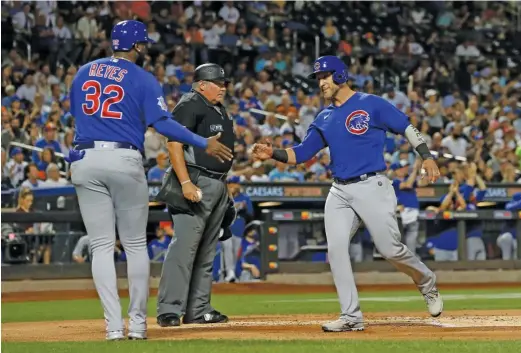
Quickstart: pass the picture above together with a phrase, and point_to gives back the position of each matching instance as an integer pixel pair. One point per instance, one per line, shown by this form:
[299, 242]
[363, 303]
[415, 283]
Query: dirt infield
[241, 289]
[456, 325]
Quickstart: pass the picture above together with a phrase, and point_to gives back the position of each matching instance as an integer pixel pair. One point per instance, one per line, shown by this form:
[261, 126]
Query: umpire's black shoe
[167, 320]
[213, 317]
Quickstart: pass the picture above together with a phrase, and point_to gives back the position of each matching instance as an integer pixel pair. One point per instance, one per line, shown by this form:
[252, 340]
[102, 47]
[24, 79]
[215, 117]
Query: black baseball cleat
[213, 317]
[168, 320]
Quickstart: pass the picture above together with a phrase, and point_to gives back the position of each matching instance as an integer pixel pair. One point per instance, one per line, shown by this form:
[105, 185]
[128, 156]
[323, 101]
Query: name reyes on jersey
[107, 71]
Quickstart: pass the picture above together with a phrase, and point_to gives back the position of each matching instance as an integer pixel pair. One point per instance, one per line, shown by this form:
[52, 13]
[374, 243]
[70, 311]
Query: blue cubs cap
[332, 64]
[15, 151]
[126, 34]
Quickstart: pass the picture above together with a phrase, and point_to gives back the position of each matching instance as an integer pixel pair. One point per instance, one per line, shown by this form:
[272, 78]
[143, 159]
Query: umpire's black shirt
[206, 119]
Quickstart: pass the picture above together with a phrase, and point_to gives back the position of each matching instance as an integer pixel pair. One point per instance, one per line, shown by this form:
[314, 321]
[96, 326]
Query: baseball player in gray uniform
[353, 126]
[113, 101]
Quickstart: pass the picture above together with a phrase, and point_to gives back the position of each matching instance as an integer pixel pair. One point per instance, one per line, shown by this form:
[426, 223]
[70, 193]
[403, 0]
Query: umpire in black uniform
[186, 279]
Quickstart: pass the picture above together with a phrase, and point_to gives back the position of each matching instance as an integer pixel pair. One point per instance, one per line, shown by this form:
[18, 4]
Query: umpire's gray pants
[186, 279]
[112, 191]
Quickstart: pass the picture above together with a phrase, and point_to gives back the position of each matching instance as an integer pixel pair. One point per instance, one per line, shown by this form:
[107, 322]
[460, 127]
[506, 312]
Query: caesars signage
[318, 192]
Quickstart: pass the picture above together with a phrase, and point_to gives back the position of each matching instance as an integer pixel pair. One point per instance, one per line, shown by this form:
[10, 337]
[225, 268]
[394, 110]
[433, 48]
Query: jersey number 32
[93, 103]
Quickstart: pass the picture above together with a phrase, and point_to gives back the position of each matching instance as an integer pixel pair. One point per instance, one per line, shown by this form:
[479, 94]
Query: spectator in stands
[15, 167]
[329, 30]
[157, 248]
[53, 176]
[229, 13]
[282, 173]
[270, 126]
[321, 167]
[404, 152]
[25, 204]
[258, 173]
[397, 98]
[456, 143]
[48, 157]
[31, 173]
[302, 67]
[48, 140]
[157, 172]
[27, 91]
[9, 96]
[23, 20]
[6, 181]
[387, 44]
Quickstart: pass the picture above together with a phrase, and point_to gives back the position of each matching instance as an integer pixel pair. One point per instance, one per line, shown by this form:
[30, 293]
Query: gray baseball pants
[186, 278]
[230, 252]
[508, 245]
[112, 191]
[372, 201]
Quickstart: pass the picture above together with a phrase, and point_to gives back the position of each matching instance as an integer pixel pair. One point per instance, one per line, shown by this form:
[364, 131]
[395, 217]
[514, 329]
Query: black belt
[209, 173]
[355, 179]
[89, 145]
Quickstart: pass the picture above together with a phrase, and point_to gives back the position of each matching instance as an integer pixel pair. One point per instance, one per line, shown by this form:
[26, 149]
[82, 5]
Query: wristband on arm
[424, 152]
[280, 155]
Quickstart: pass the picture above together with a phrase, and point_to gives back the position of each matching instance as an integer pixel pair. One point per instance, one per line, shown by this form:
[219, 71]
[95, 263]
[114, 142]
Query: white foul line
[404, 299]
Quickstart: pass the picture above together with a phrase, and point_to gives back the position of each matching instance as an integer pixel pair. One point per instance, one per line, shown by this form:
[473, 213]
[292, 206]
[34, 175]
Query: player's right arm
[157, 115]
[310, 146]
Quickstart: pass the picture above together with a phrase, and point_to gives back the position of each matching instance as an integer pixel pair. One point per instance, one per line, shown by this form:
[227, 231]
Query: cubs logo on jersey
[357, 122]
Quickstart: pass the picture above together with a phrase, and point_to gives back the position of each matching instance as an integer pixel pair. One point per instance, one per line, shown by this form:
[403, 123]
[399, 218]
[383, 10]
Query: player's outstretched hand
[262, 151]
[218, 150]
[431, 169]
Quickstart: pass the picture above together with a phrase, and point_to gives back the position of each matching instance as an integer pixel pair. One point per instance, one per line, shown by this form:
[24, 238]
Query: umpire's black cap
[209, 72]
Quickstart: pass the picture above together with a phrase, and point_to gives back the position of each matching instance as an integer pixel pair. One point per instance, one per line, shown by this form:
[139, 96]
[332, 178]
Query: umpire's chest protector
[354, 137]
[211, 120]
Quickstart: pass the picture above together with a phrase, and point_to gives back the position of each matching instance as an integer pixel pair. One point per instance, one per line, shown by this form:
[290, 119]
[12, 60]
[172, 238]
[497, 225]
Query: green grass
[224, 346]
[260, 304]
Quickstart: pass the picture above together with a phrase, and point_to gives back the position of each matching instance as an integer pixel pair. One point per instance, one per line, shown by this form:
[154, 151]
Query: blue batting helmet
[126, 34]
[331, 63]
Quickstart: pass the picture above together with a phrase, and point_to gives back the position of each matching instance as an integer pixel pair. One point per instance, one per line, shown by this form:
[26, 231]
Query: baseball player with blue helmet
[354, 127]
[113, 101]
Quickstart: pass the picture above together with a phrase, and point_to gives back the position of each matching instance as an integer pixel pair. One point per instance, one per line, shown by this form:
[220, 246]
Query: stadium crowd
[453, 67]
